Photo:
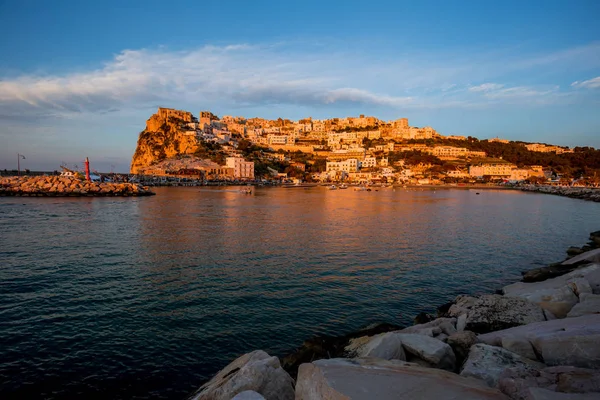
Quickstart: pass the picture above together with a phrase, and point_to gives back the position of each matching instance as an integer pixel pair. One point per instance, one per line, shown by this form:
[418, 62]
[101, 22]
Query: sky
[80, 78]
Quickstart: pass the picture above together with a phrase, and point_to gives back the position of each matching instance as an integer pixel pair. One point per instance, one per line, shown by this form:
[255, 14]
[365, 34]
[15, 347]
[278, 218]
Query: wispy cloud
[243, 75]
[486, 87]
[593, 83]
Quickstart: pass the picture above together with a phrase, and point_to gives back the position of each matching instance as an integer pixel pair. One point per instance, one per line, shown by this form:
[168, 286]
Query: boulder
[494, 312]
[535, 393]
[434, 351]
[558, 295]
[256, 371]
[461, 342]
[519, 345]
[574, 251]
[248, 395]
[592, 256]
[588, 304]
[461, 322]
[462, 305]
[489, 362]
[432, 326]
[368, 379]
[387, 346]
[569, 341]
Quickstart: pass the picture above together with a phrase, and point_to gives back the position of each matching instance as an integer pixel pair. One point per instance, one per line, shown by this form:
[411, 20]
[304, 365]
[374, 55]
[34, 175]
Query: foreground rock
[592, 256]
[588, 304]
[494, 312]
[489, 362]
[569, 341]
[329, 346]
[395, 345]
[517, 383]
[255, 371]
[56, 186]
[368, 379]
[558, 295]
[461, 343]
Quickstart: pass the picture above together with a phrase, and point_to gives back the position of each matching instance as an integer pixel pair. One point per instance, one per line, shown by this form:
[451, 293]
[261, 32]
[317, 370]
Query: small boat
[361, 189]
[246, 191]
[343, 186]
[332, 187]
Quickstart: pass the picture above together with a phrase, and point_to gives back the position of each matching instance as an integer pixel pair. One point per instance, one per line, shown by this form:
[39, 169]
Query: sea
[138, 298]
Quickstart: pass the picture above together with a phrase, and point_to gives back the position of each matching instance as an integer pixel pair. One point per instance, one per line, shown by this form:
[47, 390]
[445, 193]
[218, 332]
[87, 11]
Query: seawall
[57, 186]
[583, 193]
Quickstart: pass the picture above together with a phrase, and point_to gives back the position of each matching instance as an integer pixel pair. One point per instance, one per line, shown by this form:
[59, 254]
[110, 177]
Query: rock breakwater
[57, 186]
[582, 193]
[534, 340]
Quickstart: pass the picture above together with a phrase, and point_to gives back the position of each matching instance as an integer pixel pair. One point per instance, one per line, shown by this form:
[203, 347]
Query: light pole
[19, 156]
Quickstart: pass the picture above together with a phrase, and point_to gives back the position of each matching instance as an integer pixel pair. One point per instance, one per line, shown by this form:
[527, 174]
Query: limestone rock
[386, 346]
[519, 345]
[248, 395]
[435, 352]
[368, 379]
[256, 371]
[494, 312]
[432, 326]
[569, 341]
[461, 322]
[461, 342]
[489, 362]
[592, 256]
[588, 304]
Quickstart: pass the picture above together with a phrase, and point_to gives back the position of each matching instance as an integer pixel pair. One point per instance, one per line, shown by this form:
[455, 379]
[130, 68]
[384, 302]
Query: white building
[369, 162]
[502, 170]
[241, 167]
[278, 139]
[349, 165]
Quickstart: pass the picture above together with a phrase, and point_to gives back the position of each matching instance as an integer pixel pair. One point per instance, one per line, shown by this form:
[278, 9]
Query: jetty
[61, 186]
[582, 193]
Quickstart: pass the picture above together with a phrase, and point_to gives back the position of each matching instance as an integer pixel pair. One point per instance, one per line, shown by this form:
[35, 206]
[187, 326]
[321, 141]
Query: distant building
[350, 165]
[496, 170]
[241, 168]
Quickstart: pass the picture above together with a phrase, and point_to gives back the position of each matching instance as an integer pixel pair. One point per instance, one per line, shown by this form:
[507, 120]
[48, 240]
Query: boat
[332, 187]
[360, 189]
[246, 191]
[343, 186]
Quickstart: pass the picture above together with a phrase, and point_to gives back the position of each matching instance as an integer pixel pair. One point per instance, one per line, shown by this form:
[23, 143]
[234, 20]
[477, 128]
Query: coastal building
[349, 165]
[495, 170]
[369, 162]
[497, 140]
[544, 148]
[277, 139]
[241, 168]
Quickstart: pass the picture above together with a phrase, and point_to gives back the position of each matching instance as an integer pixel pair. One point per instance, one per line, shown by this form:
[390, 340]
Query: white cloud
[486, 87]
[242, 75]
[593, 83]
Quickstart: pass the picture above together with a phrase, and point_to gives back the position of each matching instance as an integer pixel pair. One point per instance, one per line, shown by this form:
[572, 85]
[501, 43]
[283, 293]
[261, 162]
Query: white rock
[488, 362]
[588, 304]
[387, 346]
[569, 341]
[429, 325]
[248, 395]
[256, 371]
[519, 345]
[435, 352]
[461, 322]
[448, 328]
[592, 256]
[373, 379]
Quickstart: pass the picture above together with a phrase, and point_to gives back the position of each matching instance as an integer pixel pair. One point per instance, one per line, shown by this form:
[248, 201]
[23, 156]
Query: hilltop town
[354, 149]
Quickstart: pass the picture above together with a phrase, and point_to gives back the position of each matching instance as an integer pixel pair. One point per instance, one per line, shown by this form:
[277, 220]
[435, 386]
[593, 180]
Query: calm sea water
[148, 297]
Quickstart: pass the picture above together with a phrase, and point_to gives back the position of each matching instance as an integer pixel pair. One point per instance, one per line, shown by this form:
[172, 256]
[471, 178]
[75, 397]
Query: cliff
[167, 135]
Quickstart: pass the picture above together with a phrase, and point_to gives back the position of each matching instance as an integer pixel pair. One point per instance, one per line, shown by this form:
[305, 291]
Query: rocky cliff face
[164, 137]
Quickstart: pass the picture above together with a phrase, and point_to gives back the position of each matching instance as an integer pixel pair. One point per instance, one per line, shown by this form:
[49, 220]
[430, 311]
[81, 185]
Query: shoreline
[547, 323]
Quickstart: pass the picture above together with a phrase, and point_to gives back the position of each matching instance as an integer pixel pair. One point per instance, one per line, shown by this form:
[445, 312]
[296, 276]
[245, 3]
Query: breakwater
[532, 340]
[56, 186]
[582, 193]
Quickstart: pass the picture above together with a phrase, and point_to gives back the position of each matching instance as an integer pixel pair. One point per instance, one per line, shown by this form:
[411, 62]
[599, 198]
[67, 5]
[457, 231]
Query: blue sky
[80, 78]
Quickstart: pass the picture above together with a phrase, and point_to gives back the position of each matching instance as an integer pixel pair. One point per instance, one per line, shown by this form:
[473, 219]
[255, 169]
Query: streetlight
[19, 156]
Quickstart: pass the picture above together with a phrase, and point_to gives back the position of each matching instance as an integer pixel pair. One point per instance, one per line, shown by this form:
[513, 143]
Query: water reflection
[148, 296]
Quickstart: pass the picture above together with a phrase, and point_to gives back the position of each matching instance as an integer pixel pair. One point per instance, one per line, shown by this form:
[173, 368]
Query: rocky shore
[56, 186]
[583, 193]
[535, 339]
